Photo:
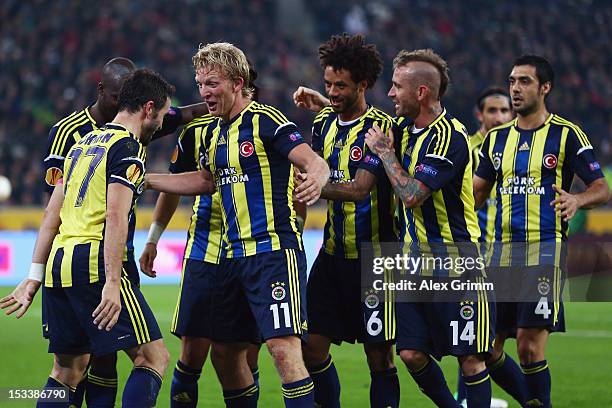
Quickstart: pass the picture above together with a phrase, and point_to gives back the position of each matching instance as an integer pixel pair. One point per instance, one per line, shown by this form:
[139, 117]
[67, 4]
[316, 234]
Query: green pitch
[579, 360]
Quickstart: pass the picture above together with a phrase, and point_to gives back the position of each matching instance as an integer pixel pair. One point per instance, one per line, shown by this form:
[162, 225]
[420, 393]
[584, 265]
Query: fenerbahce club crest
[278, 291]
[371, 300]
[466, 311]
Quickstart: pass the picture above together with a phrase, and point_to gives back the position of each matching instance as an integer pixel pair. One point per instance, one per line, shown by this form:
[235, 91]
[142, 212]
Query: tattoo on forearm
[408, 189]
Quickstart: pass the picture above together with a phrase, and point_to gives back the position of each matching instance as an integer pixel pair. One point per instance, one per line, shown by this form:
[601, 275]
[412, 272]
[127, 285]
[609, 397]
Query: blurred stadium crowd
[51, 54]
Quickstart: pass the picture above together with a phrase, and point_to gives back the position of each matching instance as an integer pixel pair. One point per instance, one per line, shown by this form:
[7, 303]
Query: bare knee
[229, 361]
[69, 369]
[194, 351]
[287, 355]
[471, 365]
[104, 366]
[531, 344]
[253, 356]
[379, 356]
[153, 355]
[414, 359]
[316, 350]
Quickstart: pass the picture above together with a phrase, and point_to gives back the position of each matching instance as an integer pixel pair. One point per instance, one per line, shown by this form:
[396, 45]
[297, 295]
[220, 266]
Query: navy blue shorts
[445, 328]
[195, 301]
[542, 283]
[335, 306]
[71, 328]
[130, 270]
[260, 296]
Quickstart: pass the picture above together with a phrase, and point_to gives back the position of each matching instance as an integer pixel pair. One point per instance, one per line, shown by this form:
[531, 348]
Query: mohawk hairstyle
[351, 53]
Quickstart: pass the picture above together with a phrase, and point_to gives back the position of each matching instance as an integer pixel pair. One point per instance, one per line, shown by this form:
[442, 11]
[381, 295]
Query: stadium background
[51, 53]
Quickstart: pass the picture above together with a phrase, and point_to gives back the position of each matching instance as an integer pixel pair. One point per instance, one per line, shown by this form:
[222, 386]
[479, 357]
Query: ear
[546, 87]
[363, 85]
[148, 109]
[479, 116]
[422, 92]
[238, 85]
[100, 88]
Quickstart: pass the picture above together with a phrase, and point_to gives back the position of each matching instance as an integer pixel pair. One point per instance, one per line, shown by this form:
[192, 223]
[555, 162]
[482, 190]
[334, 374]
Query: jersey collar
[432, 124]
[117, 126]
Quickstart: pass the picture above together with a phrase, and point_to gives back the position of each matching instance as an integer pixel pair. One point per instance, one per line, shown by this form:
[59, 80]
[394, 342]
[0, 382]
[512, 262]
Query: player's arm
[21, 298]
[190, 112]
[597, 193]
[190, 183]
[482, 190]
[410, 191]
[356, 190]
[307, 98]
[313, 175]
[178, 116]
[118, 205]
[164, 210]
[581, 159]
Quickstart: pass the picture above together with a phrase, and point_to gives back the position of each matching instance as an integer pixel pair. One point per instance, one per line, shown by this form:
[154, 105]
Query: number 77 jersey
[108, 155]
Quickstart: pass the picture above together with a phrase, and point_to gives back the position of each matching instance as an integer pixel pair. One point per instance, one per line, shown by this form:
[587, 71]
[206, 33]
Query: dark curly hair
[350, 52]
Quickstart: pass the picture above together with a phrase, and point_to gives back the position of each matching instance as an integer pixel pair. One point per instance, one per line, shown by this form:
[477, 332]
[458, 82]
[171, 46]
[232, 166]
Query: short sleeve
[184, 156]
[286, 137]
[317, 129]
[172, 120]
[124, 164]
[485, 168]
[446, 156]
[53, 161]
[580, 156]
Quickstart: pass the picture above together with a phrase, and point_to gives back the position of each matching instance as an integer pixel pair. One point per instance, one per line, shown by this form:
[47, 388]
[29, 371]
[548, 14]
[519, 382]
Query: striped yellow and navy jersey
[70, 130]
[486, 214]
[62, 136]
[204, 236]
[104, 156]
[248, 156]
[343, 147]
[439, 157]
[525, 163]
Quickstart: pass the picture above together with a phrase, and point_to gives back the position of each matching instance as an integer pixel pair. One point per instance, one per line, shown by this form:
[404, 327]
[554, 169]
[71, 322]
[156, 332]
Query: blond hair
[429, 56]
[229, 59]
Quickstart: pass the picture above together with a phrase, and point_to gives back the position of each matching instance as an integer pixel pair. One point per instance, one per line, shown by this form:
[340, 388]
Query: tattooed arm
[355, 190]
[411, 191]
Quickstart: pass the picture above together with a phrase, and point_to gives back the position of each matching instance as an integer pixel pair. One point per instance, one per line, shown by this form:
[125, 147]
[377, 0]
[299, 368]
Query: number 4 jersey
[108, 155]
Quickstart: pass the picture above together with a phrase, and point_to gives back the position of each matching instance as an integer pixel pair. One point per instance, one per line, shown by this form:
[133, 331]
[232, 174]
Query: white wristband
[155, 232]
[37, 271]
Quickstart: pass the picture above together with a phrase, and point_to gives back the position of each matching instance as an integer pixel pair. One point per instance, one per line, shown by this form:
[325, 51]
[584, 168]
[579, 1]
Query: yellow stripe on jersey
[61, 134]
[419, 225]
[243, 221]
[178, 301]
[94, 264]
[266, 181]
[66, 268]
[328, 148]
[507, 166]
[559, 182]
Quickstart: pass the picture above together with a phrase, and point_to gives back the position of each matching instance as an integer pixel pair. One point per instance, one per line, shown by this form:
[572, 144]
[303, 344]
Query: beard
[146, 134]
[526, 108]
